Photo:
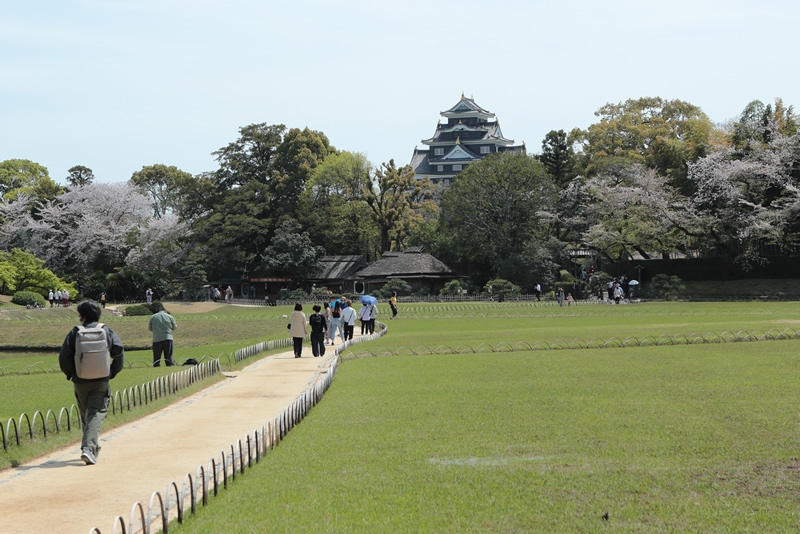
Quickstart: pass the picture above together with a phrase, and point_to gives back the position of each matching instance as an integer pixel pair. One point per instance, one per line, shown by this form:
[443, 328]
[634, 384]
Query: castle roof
[466, 107]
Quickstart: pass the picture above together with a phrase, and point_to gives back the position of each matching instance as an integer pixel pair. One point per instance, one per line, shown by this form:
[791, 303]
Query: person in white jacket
[298, 328]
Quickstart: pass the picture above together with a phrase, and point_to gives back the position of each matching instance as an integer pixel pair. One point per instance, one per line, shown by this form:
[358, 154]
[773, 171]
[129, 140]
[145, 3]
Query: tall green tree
[249, 158]
[758, 124]
[494, 207]
[235, 230]
[80, 175]
[22, 176]
[393, 196]
[300, 152]
[661, 134]
[160, 183]
[332, 209]
[558, 158]
[292, 254]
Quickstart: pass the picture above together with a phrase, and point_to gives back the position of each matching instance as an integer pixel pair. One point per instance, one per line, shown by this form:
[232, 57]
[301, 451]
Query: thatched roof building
[421, 270]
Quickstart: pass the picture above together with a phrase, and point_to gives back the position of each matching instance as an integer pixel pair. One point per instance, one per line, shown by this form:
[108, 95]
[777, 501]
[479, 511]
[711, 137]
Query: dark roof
[340, 267]
[466, 105]
[414, 262]
[419, 162]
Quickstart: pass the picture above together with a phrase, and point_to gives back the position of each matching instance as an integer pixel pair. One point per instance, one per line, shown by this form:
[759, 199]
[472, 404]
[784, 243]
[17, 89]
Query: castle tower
[469, 134]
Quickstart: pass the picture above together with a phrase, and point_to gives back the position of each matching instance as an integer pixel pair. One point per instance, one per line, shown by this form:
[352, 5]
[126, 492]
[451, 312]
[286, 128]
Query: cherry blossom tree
[160, 245]
[88, 228]
[747, 198]
[631, 211]
[14, 220]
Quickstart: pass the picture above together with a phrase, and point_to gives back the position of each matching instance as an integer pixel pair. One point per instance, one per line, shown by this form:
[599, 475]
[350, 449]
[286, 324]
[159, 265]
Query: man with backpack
[92, 354]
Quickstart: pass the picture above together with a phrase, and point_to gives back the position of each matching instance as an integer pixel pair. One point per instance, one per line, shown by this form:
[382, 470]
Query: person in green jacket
[161, 325]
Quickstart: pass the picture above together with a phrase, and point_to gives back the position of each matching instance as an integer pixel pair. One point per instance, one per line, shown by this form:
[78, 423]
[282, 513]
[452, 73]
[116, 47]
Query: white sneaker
[87, 457]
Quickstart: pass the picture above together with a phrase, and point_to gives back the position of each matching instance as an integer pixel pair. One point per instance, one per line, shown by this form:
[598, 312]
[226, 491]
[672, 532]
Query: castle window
[438, 152]
[456, 168]
[439, 168]
[484, 150]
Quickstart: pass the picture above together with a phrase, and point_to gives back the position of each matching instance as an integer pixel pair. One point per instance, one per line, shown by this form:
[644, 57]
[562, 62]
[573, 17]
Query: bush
[138, 309]
[566, 277]
[453, 287]
[666, 287]
[402, 288]
[598, 283]
[28, 298]
[155, 306]
[499, 288]
[298, 295]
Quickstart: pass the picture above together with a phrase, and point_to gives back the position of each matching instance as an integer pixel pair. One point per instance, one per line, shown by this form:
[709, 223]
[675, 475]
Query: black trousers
[349, 330]
[298, 346]
[164, 347]
[317, 343]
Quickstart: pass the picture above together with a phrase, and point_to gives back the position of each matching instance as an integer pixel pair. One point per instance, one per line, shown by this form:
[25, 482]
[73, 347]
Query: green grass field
[31, 381]
[698, 438]
[691, 437]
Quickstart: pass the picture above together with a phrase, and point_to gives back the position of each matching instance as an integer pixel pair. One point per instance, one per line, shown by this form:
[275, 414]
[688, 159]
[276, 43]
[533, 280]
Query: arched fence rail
[233, 461]
[614, 342]
[121, 401]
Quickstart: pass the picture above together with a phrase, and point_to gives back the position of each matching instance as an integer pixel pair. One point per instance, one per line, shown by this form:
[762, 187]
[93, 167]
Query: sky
[118, 85]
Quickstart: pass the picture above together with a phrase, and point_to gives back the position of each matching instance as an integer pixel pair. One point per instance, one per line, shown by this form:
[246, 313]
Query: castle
[469, 134]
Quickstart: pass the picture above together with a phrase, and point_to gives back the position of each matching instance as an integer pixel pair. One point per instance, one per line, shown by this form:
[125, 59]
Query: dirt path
[58, 493]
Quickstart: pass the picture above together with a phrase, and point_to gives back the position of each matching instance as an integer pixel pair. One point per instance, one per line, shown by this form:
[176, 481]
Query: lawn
[699, 438]
[31, 381]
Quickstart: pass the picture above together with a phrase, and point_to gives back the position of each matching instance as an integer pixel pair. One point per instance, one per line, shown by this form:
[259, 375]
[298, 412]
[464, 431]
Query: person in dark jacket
[93, 395]
[318, 327]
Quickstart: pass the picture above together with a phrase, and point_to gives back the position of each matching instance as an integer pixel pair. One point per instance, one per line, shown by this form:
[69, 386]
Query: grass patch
[207, 335]
[48, 327]
[439, 326]
[662, 439]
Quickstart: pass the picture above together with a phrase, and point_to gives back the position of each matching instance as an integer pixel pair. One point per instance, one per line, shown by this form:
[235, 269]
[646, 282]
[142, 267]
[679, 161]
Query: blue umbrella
[367, 299]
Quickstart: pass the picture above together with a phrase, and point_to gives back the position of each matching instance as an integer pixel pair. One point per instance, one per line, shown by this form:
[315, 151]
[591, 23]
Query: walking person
[65, 298]
[373, 314]
[58, 298]
[149, 295]
[393, 304]
[327, 315]
[364, 316]
[92, 394]
[318, 329]
[336, 321]
[298, 328]
[349, 321]
[103, 299]
[618, 293]
[162, 325]
[50, 297]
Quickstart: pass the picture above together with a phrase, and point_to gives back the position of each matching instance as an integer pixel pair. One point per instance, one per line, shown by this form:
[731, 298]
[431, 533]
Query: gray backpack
[92, 357]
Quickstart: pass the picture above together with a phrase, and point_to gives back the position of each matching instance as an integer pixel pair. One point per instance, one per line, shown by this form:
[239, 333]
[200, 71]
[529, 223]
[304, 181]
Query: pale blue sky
[117, 85]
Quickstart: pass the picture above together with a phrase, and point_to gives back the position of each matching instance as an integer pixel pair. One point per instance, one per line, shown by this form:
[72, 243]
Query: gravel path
[58, 493]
